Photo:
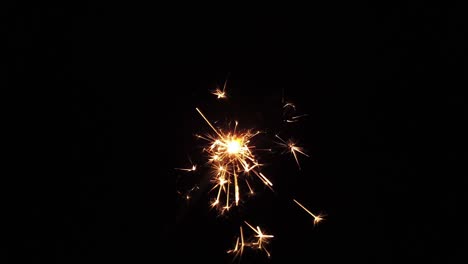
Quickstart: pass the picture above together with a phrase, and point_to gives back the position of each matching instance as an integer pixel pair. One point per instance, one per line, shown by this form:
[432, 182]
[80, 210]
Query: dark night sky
[385, 130]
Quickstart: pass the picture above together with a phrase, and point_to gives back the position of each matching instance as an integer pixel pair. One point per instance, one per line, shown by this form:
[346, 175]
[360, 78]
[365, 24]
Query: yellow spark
[291, 146]
[317, 218]
[207, 121]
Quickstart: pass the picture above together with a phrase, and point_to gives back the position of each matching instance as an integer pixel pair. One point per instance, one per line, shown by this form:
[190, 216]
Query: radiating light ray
[317, 217]
[293, 149]
[208, 122]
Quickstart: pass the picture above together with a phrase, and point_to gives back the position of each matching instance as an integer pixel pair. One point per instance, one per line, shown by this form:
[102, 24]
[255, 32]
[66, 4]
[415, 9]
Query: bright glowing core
[233, 146]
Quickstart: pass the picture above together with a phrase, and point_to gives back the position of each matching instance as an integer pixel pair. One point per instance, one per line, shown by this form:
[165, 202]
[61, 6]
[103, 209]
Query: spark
[258, 241]
[220, 94]
[317, 218]
[193, 168]
[262, 238]
[232, 162]
[293, 148]
[188, 194]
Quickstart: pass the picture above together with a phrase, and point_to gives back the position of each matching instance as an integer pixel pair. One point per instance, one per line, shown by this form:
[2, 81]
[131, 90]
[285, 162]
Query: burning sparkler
[234, 164]
[232, 160]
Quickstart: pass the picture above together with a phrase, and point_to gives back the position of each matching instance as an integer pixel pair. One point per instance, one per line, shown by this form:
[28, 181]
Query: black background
[385, 130]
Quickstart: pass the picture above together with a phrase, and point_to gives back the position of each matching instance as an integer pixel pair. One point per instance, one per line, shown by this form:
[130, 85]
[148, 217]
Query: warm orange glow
[233, 146]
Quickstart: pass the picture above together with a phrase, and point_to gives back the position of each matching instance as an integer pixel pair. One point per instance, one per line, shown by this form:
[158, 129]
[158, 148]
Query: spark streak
[238, 249]
[317, 218]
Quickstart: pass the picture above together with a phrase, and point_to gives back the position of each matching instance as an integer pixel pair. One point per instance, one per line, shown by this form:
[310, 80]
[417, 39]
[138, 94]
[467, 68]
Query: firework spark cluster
[231, 159]
[233, 162]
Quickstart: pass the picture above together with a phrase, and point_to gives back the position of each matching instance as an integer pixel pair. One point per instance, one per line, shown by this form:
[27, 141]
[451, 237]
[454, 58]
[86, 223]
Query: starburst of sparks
[232, 161]
[220, 93]
[291, 146]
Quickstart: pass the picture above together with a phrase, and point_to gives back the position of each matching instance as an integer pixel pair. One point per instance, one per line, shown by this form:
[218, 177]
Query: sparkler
[232, 160]
[234, 164]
